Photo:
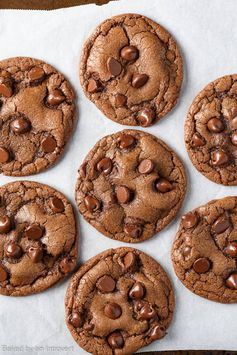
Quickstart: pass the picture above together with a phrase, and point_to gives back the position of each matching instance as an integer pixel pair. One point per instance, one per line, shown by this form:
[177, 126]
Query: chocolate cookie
[205, 250]
[131, 68]
[130, 186]
[38, 239]
[211, 131]
[118, 302]
[36, 115]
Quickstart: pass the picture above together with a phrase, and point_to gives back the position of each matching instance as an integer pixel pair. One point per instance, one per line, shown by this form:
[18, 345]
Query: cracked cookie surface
[211, 131]
[131, 68]
[38, 238]
[119, 301]
[205, 250]
[130, 186]
[36, 115]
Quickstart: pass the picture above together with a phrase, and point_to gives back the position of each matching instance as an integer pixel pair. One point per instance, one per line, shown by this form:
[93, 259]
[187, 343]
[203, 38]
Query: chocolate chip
[139, 80]
[201, 265]
[36, 73]
[105, 165]
[157, 332]
[13, 250]
[231, 282]
[34, 231]
[129, 53]
[137, 291]
[146, 166]
[197, 140]
[5, 88]
[233, 123]
[35, 254]
[3, 274]
[20, 125]
[220, 225]
[133, 230]
[186, 251]
[66, 266]
[146, 117]
[231, 249]
[75, 319]
[116, 340]
[112, 310]
[48, 145]
[114, 66]
[106, 284]
[88, 326]
[163, 185]
[219, 158]
[55, 97]
[234, 138]
[124, 194]
[215, 125]
[56, 205]
[4, 155]
[120, 100]
[91, 203]
[129, 260]
[147, 312]
[126, 141]
[93, 86]
[189, 220]
[5, 224]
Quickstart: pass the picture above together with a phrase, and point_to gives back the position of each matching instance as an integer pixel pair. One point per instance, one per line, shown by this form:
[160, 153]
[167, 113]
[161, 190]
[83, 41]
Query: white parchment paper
[207, 35]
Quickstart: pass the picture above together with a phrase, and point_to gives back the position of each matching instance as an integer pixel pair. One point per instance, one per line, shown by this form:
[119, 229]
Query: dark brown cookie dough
[130, 186]
[36, 115]
[211, 131]
[132, 70]
[38, 239]
[118, 302]
[205, 250]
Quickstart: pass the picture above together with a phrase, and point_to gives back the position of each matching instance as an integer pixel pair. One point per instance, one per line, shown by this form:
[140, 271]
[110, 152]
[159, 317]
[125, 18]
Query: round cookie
[119, 301]
[38, 238]
[211, 131]
[132, 70]
[205, 250]
[36, 115]
[130, 186]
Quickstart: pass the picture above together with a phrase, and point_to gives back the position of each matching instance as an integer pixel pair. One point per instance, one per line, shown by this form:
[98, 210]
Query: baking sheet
[207, 35]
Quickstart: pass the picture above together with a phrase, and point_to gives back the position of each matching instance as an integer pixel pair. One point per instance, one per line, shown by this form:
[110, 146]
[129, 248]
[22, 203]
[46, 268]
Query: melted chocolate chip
[139, 80]
[186, 251]
[129, 260]
[120, 100]
[231, 281]
[13, 250]
[163, 185]
[146, 117]
[219, 158]
[56, 205]
[126, 141]
[5, 88]
[137, 291]
[20, 125]
[133, 230]
[4, 155]
[146, 166]
[93, 86]
[116, 340]
[34, 231]
[5, 224]
[55, 97]
[106, 284]
[3, 274]
[157, 332]
[147, 312]
[189, 220]
[234, 138]
[48, 145]
[129, 53]
[36, 74]
[75, 320]
[231, 249]
[112, 310]
[220, 225]
[114, 66]
[215, 125]
[66, 266]
[35, 254]
[201, 265]
[91, 203]
[105, 165]
[124, 194]
[197, 140]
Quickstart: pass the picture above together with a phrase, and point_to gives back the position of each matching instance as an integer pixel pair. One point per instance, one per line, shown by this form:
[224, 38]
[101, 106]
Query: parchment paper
[207, 35]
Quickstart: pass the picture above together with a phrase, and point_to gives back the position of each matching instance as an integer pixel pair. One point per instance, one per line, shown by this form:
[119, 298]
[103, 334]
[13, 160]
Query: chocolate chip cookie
[131, 68]
[38, 239]
[130, 186]
[118, 302]
[211, 131]
[205, 250]
[36, 115]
